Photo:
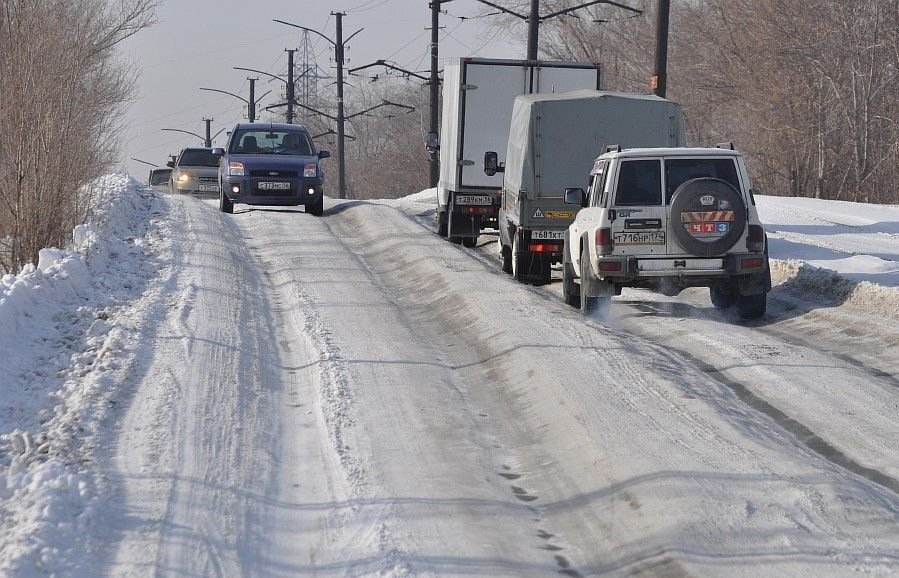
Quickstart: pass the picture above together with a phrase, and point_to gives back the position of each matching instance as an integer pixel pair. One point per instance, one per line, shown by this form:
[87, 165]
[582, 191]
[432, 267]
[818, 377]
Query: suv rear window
[198, 158]
[679, 171]
[639, 183]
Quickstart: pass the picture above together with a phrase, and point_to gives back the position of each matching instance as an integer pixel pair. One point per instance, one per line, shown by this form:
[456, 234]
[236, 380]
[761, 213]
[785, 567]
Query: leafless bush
[61, 99]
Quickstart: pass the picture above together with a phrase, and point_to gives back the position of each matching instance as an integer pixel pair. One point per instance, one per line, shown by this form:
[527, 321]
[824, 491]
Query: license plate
[473, 200]
[267, 186]
[209, 188]
[647, 238]
[547, 235]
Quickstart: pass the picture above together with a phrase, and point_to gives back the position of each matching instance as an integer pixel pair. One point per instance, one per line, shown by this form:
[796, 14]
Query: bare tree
[61, 102]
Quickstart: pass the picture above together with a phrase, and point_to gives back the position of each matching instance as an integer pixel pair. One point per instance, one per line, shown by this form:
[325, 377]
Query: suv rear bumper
[623, 268]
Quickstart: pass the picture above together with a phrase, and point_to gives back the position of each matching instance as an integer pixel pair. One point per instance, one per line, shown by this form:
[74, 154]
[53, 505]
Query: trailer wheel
[505, 254]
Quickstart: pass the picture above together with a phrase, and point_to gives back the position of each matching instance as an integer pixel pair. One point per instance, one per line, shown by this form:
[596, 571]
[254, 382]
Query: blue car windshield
[267, 142]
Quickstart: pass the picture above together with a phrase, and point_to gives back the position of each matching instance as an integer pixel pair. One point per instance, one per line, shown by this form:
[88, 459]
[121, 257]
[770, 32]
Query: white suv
[668, 219]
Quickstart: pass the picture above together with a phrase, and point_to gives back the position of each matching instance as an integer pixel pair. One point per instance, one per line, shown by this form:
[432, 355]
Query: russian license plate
[268, 186]
[473, 200]
[209, 188]
[641, 238]
[547, 235]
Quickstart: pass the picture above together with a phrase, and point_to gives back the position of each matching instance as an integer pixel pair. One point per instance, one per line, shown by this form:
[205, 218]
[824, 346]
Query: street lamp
[251, 103]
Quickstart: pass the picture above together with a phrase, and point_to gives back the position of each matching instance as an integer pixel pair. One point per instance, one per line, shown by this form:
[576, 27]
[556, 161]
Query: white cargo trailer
[553, 141]
[478, 94]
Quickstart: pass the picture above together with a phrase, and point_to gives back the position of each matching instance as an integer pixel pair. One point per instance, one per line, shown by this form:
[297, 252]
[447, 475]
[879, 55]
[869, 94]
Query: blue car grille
[273, 173]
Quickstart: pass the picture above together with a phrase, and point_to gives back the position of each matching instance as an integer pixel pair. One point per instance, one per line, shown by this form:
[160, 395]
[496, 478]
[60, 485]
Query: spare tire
[707, 216]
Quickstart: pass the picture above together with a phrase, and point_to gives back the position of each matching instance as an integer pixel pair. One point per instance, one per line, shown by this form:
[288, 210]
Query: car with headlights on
[271, 164]
[195, 170]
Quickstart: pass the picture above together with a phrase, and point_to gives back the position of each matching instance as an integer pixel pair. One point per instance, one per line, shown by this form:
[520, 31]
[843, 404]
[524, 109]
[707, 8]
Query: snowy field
[266, 394]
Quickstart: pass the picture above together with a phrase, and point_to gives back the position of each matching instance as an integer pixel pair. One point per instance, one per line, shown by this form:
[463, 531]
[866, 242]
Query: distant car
[271, 164]
[160, 178]
[195, 171]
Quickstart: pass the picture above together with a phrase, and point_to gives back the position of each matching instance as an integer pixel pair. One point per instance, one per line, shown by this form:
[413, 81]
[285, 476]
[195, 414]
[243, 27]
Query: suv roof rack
[729, 145]
[615, 148]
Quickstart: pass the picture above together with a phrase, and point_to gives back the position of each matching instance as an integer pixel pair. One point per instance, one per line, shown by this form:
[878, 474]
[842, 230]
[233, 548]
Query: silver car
[195, 171]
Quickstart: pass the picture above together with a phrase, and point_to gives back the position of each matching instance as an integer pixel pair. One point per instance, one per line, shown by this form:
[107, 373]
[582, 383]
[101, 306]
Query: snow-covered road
[354, 396]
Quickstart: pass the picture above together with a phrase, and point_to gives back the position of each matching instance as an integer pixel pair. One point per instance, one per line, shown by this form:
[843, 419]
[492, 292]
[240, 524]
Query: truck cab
[667, 219]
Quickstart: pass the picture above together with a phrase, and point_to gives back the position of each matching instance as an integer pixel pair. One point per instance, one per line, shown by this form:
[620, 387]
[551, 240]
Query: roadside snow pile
[58, 342]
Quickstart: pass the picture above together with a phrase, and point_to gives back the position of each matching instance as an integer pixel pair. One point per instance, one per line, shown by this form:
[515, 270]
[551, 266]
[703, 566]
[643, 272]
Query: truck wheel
[440, 222]
[752, 306]
[225, 204]
[505, 254]
[546, 269]
[721, 298]
[518, 259]
[571, 291]
[469, 241]
[707, 195]
[317, 208]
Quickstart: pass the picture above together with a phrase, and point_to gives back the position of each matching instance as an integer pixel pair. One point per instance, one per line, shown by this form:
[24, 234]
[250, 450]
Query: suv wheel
[571, 291]
[707, 195]
[721, 297]
[589, 303]
[752, 306]
[225, 204]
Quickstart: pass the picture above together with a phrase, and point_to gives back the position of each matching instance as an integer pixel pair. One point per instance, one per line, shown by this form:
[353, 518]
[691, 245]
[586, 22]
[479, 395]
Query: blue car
[271, 164]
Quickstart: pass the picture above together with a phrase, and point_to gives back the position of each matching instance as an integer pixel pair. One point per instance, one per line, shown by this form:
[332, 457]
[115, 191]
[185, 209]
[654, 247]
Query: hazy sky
[196, 43]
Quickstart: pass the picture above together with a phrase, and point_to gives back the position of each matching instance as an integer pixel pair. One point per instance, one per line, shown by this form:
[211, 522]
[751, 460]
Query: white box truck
[553, 141]
[478, 94]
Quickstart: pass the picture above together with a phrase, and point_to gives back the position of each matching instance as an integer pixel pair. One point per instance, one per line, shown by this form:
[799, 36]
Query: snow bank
[57, 341]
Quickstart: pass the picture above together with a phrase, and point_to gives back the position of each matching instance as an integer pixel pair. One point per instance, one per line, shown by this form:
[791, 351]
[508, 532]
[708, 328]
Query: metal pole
[659, 83]
[208, 122]
[290, 87]
[251, 107]
[434, 174]
[341, 161]
[533, 29]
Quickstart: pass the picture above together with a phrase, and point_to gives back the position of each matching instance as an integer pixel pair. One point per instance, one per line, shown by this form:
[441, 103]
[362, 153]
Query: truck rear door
[488, 93]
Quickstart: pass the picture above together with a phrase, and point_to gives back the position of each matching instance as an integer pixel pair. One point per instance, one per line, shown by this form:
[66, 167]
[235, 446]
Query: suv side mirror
[491, 164]
[218, 151]
[324, 154]
[575, 196]
[170, 164]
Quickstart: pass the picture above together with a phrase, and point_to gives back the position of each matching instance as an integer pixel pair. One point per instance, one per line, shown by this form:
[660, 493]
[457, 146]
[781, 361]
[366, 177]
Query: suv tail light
[756, 240]
[604, 241]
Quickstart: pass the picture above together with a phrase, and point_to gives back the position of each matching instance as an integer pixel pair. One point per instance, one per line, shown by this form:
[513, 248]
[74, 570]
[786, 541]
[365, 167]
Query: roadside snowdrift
[60, 337]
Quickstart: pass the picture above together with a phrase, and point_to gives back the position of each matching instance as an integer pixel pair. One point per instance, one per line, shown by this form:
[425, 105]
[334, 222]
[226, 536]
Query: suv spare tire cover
[707, 216]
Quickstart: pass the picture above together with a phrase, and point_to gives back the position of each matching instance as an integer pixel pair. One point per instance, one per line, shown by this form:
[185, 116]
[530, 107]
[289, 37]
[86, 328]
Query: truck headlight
[235, 169]
[310, 170]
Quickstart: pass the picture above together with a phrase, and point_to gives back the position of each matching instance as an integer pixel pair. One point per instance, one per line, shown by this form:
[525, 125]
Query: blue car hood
[273, 162]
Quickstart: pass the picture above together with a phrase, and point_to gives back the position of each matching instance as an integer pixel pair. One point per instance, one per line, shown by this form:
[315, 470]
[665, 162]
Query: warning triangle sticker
[538, 214]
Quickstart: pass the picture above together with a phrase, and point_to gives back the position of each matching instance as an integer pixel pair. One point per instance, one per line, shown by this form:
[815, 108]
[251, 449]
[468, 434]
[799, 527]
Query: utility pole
[434, 170]
[338, 45]
[208, 122]
[290, 85]
[533, 29]
[251, 105]
[341, 157]
[659, 81]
